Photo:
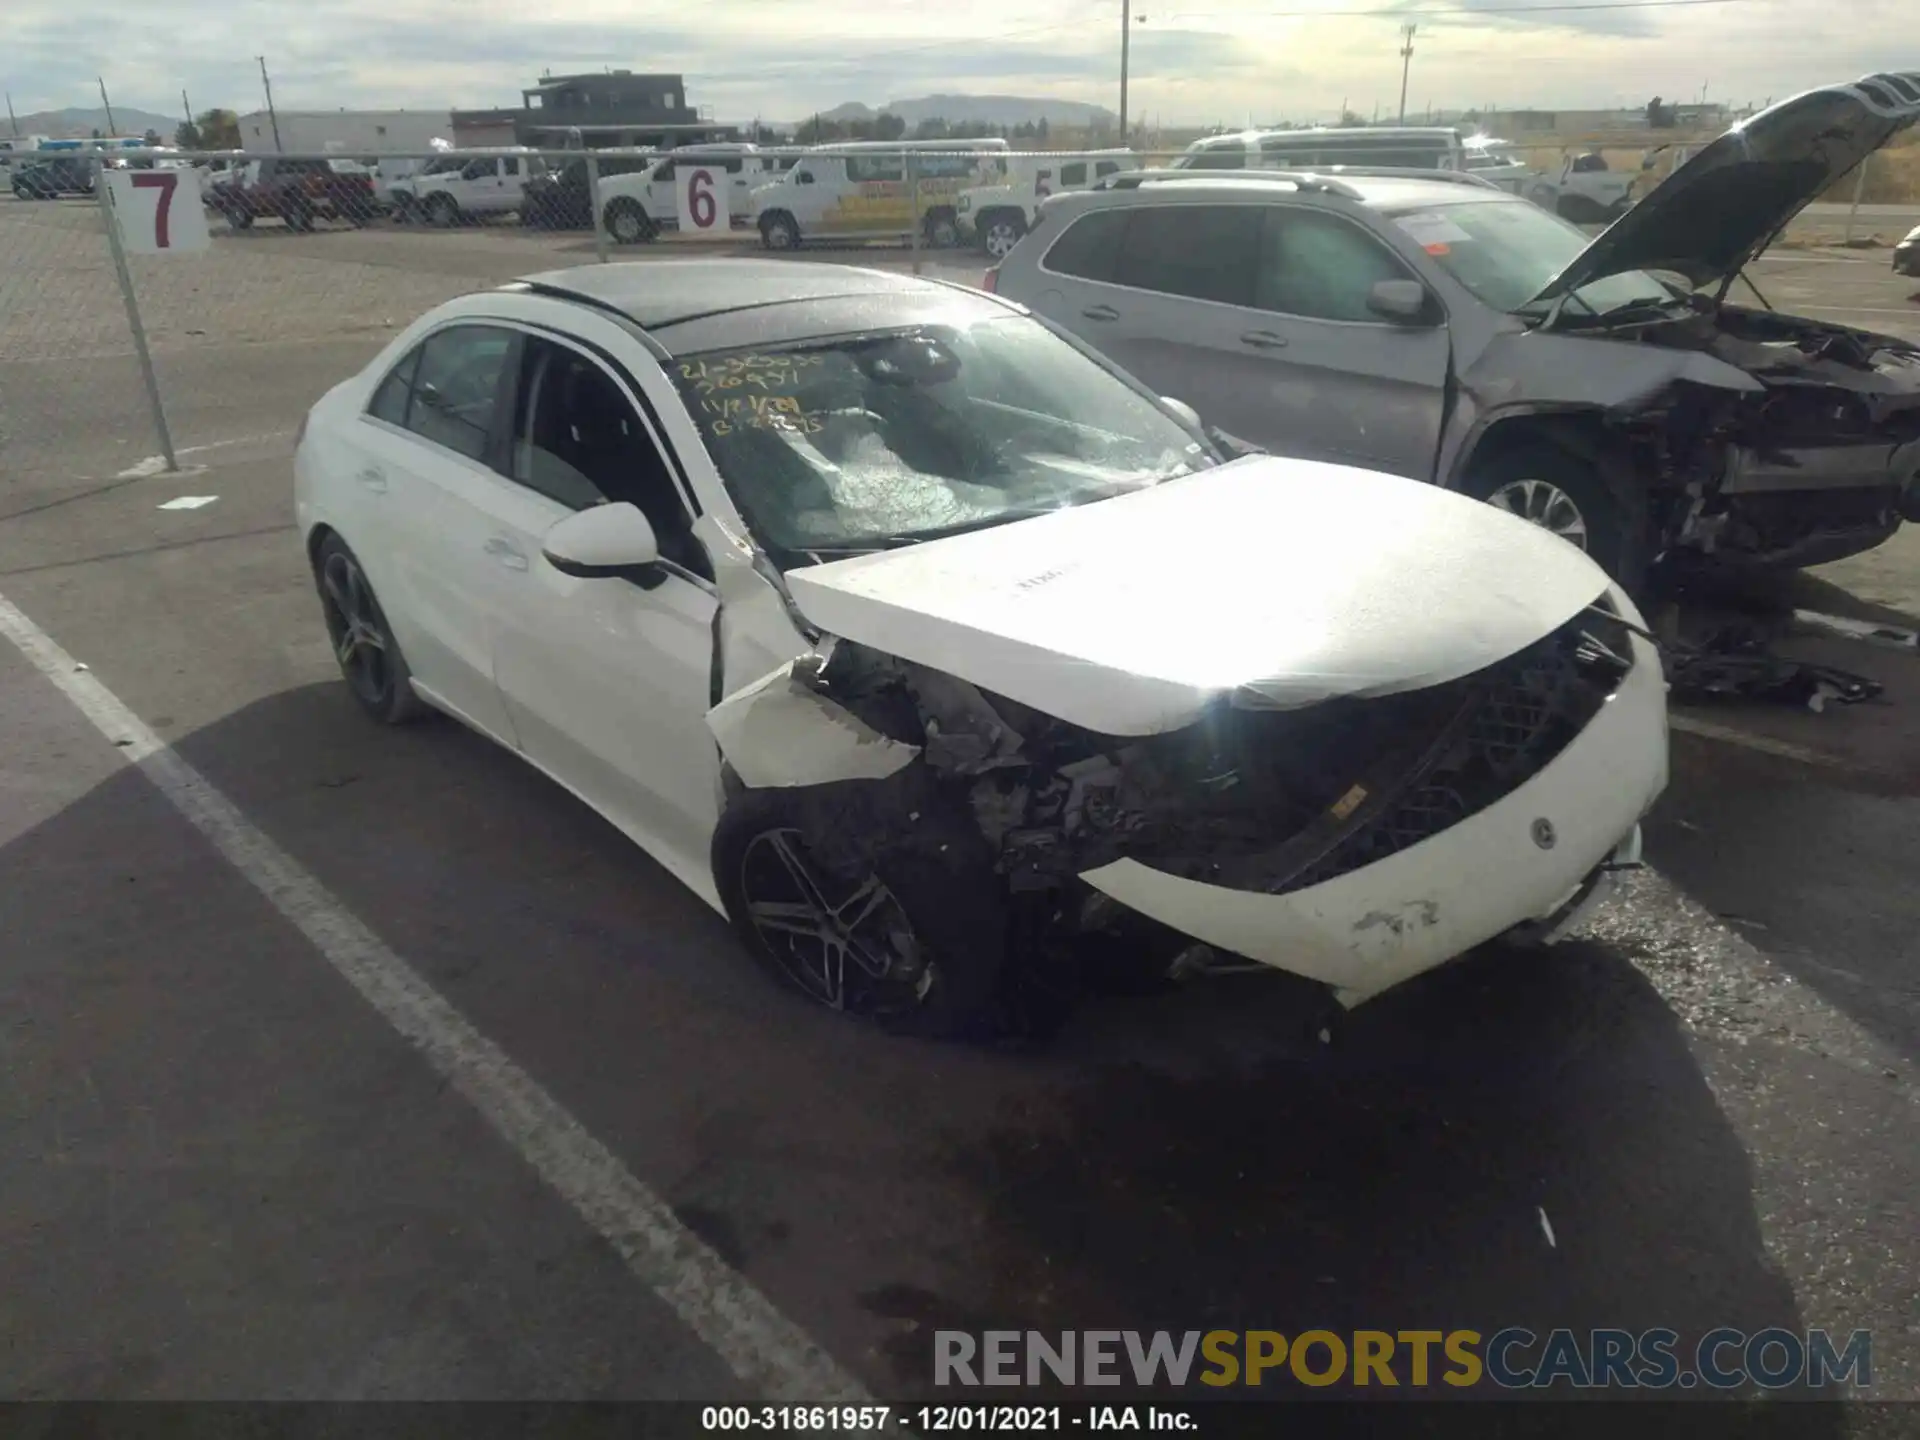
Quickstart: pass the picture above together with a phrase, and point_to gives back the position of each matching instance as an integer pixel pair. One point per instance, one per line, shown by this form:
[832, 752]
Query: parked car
[1906, 255]
[921, 642]
[16, 149]
[50, 178]
[298, 191]
[1412, 147]
[559, 199]
[460, 189]
[1437, 329]
[637, 207]
[995, 215]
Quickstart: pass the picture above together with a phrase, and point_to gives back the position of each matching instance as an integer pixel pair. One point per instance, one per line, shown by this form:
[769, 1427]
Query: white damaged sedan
[927, 647]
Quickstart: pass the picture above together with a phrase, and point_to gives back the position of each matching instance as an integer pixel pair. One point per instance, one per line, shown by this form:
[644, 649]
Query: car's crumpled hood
[1709, 218]
[1287, 582]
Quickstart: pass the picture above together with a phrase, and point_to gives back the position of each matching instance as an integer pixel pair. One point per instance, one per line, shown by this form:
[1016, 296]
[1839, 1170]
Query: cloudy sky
[1194, 61]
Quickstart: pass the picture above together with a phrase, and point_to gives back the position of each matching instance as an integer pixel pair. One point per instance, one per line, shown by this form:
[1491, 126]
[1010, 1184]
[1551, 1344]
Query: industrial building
[357, 132]
[605, 108]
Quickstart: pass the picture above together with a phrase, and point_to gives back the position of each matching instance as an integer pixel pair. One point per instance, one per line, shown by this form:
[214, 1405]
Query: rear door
[1165, 290]
[422, 529]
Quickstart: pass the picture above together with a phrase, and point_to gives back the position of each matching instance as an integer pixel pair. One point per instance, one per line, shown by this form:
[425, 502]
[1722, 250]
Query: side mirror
[606, 542]
[1182, 409]
[1404, 301]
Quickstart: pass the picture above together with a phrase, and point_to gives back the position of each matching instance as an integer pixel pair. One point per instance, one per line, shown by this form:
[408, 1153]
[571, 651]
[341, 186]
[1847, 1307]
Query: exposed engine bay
[1250, 798]
[1819, 463]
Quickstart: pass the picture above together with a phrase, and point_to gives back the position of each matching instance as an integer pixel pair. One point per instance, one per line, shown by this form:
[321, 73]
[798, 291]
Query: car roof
[692, 306]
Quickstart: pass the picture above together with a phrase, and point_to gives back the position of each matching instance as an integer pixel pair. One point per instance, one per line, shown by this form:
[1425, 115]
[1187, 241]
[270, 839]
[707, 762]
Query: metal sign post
[593, 208]
[1859, 189]
[105, 194]
[913, 206]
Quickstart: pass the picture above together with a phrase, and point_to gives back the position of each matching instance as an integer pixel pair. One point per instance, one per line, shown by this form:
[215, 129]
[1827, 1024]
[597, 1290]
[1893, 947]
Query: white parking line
[765, 1349]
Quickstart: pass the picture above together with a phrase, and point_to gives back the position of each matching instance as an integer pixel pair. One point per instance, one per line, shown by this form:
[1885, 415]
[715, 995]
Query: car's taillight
[990, 282]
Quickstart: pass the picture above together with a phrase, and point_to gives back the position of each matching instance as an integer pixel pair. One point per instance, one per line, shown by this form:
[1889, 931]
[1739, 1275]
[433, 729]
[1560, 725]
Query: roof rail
[1299, 179]
[1410, 172]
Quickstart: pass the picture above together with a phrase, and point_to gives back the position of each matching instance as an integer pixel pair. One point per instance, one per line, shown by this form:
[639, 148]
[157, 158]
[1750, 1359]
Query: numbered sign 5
[703, 200]
[157, 211]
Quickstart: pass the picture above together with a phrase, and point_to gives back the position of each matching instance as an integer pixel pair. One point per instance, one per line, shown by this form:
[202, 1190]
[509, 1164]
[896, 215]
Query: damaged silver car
[928, 647]
[1609, 390]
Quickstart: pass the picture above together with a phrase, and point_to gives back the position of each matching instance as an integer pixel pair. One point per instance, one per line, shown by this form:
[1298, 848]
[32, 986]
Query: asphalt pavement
[245, 1159]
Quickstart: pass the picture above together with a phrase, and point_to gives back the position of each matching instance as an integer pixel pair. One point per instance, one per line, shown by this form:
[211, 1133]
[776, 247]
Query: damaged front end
[1823, 461]
[1354, 842]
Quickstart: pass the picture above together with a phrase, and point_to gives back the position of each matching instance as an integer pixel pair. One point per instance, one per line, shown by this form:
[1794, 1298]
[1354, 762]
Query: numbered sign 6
[703, 200]
[157, 211]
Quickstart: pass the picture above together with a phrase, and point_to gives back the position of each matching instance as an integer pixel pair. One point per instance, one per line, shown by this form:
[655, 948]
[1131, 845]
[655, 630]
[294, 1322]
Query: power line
[1453, 12]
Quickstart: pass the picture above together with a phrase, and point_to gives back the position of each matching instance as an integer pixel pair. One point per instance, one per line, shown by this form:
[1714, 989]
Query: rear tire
[929, 911]
[1000, 231]
[363, 645]
[1567, 494]
[238, 219]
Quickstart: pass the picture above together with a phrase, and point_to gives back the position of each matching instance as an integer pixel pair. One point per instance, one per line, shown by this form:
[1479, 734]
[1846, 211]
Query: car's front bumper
[1521, 864]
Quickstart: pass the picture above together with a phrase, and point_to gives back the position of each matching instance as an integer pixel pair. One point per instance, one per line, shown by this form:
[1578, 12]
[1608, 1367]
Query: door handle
[1101, 312]
[1264, 340]
[504, 552]
[375, 479]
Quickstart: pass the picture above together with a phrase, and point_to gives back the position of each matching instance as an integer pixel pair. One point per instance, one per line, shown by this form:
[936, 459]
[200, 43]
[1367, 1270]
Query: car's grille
[1513, 719]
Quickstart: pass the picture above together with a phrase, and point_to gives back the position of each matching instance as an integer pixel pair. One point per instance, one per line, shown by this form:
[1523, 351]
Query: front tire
[1566, 494]
[910, 935]
[779, 232]
[363, 645]
[628, 224]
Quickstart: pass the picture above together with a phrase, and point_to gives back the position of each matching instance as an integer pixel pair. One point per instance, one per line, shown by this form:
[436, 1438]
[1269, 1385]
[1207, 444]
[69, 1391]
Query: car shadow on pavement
[1517, 1140]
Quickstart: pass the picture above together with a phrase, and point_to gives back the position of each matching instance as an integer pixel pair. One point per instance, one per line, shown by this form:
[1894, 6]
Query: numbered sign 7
[704, 195]
[157, 212]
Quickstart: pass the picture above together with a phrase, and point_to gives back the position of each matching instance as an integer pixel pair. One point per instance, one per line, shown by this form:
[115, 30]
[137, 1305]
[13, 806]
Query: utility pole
[11, 118]
[186, 107]
[1406, 64]
[112, 129]
[278, 148]
[1126, 39]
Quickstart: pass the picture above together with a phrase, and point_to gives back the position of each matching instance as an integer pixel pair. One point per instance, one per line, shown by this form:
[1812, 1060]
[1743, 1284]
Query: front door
[607, 684]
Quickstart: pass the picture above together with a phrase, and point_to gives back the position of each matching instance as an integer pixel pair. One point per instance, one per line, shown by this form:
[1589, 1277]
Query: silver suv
[1437, 328]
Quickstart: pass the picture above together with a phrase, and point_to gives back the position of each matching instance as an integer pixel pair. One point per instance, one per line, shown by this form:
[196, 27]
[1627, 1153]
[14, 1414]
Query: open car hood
[1281, 582]
[1714, 213]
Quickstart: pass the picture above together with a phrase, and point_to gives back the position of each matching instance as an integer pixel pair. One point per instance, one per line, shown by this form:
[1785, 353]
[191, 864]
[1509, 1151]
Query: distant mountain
[987, 109]
[73, 122]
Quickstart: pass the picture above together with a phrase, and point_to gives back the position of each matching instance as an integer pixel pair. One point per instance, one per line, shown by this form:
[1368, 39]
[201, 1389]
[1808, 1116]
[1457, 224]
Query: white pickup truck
[636, 208]
[1583, 190]
[457, 188]
[995, 216]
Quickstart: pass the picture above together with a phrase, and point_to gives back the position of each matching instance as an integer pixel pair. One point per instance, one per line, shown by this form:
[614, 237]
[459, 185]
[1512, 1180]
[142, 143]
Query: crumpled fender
[779, 731]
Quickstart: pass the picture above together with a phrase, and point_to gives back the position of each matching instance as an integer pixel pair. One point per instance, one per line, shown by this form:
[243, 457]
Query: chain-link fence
[287, 271]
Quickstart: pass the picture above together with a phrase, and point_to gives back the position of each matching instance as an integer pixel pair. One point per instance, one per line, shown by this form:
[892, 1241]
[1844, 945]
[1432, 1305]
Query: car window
[577, 440]
[803, 177]
[1320, 266]
[1075, 174]
[869, 440]
[1089, 248]
[457, 385]
[1107, 167]
[1201, 252]
[390, 400]
[875, 167]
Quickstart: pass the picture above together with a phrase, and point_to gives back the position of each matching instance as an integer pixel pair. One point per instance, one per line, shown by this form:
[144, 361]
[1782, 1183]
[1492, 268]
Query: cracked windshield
[1024, 715]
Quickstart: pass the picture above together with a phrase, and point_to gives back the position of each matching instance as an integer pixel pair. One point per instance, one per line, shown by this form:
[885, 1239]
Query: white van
[861, 190]
[459, 187]
[637, 207]
[995, 215]
[1411, 147]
